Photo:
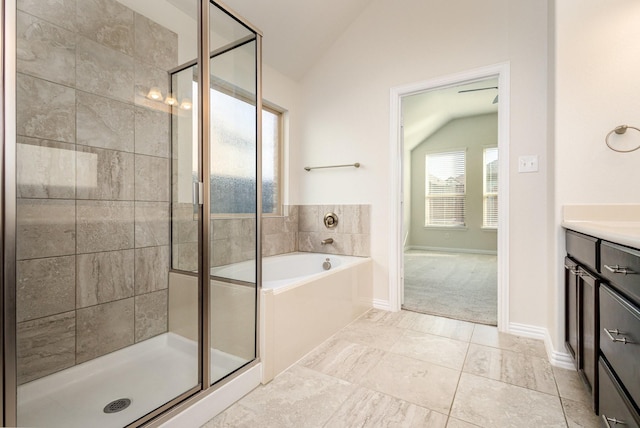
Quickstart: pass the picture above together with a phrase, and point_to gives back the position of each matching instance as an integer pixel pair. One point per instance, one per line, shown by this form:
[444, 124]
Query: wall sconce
[186, 104]
[170, 100]
[154, 94]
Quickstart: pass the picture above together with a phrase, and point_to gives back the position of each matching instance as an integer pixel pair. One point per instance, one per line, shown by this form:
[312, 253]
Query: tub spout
[327, 241]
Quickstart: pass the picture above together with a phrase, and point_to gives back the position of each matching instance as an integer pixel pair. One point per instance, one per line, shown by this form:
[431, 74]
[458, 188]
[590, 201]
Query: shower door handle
[198, 193]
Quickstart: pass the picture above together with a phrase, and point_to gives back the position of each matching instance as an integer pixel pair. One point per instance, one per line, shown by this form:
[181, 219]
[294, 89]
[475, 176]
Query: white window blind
[490, 188]
[445, 189]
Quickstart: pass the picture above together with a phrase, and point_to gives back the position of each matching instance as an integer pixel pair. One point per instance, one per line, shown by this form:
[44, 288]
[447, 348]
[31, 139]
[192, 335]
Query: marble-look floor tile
[299, 397]
[440, 326]
[425, 384]
[490, 336]
[491, 403]
[571, 386]
[150, 315]
[579, 415]
[457, 423]
[400, 319]
[367, 408]
[433, 349]
[511, 367]
[344, 360]
[370, 334]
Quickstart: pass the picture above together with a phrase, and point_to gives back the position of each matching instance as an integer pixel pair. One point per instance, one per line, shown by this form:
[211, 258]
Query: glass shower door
[233, 194]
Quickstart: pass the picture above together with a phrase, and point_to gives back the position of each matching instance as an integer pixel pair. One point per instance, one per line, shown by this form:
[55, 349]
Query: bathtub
[302, 304]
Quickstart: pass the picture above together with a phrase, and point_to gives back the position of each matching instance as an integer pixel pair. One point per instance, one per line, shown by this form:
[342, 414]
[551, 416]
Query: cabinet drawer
[582, 248]
[614, 406]
[620, 338]
[621, 266]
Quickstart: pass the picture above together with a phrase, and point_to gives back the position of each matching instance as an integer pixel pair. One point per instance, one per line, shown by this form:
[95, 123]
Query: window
[271, 149]
[490, 188]
[445, 189]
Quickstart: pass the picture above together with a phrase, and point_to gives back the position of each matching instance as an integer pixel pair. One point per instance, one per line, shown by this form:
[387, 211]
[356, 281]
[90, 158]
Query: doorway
[450, 145]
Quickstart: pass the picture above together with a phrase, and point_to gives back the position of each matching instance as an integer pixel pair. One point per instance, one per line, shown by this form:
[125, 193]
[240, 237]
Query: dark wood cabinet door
[571, 307]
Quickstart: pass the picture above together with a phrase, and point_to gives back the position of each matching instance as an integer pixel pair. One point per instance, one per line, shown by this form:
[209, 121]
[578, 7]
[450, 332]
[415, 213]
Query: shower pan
[130, 165]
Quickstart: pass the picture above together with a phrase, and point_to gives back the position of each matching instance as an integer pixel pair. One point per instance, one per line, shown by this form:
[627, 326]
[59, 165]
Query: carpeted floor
[453, 285]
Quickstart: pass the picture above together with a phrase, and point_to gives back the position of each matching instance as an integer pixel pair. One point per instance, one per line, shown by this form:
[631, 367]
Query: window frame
[486, 195]
[280, 113]
[428, 197]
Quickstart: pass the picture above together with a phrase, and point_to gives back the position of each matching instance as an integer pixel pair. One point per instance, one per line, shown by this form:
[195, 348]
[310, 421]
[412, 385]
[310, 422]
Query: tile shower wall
[93, 181]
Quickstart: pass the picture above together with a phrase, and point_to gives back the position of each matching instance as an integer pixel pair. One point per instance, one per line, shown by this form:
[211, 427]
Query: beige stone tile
[356, 219]
[45, 287]
[370, 334]
[440, 326]
[104, 71]
[345, 360]
[308, 218]
[322, 210]
[105, 123]
[425, 384]
[155, 44]
[299, 397]
[45, 169]
[60, 12]
[151, 224]
[579, 415]
[457, 423]
[104, 328]
[491, 403]
[104, 174]
[104, 226]
[400, 319]
[571, 386]
[152, 179]
[45, 110]
[44, 50]
[152, 132]
[147, 77]
[45, 346]
[151, 315]
[46, 228]
[433, 349]
[152, 269]
[490, 336]
[511, 367]
[106, 22]
[367, 408]
[104, 277]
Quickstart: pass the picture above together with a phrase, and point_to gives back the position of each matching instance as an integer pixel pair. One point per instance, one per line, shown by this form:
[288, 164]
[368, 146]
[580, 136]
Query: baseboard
[381, 304]
[556, 358]
[451, 250]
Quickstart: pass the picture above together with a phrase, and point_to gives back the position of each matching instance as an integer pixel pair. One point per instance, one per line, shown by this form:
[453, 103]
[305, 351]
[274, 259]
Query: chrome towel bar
[309, 168]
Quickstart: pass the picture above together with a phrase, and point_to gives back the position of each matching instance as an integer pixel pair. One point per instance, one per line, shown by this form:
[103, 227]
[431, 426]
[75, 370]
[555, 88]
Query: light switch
[528, 163]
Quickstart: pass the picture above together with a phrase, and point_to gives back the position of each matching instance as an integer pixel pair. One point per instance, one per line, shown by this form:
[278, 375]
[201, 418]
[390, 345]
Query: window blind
[490, 187]
[445, 189]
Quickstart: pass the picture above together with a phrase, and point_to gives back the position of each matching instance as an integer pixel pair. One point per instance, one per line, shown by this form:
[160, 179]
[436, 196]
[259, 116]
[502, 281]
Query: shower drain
[117, 405]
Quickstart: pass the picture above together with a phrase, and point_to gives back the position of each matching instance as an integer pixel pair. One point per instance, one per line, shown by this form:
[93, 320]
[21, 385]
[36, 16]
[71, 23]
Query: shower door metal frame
[8, 226]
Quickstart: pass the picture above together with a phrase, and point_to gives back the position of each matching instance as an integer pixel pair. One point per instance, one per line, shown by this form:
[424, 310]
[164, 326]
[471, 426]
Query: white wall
[597, 88]
[345, 117]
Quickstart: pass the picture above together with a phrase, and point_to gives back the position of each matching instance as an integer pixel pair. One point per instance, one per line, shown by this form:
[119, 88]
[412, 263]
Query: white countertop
[616, 223]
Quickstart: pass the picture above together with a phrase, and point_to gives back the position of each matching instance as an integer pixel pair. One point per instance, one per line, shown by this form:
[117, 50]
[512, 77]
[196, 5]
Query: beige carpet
[453, 285]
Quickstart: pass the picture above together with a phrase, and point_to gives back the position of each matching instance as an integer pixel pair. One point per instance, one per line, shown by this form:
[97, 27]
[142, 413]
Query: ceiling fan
[495, 100]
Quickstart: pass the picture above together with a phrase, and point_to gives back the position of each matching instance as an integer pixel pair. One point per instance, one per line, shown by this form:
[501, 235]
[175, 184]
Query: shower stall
[130, 173]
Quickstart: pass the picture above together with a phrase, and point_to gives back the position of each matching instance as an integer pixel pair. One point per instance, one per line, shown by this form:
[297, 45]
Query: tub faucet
[327, 241]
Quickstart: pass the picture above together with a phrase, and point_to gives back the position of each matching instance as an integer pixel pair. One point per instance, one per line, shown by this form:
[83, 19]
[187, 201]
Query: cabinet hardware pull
[614, 420]
[619, 269]
[615, 339]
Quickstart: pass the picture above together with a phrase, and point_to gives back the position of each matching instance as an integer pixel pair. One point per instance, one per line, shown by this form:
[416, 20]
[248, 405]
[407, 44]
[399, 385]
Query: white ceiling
[425, 113]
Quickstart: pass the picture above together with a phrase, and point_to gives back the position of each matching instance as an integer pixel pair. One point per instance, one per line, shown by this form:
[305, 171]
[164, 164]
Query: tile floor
[406, 369]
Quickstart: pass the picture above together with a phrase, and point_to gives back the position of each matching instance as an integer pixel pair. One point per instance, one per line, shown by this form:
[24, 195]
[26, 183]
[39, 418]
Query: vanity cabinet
[602, 324]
